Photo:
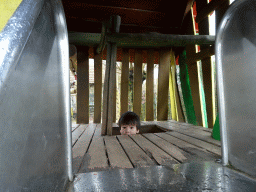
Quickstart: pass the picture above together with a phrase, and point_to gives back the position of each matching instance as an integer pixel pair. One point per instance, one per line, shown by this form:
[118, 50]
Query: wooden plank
[198, 134]
[194, 84]
[214, 4]
[83, 85]
[150, 86]
[137, 156]
[75, 126]
[106, 95]
[77, 133]
[97, 130]
[200, 152]
[97, 87]
[206, 64]
[209, 147]
[202, 55]
[81, 146]
[137, 82]
[125, 81]
[172, 150]
[112, 50]
[181, 117]
[161, 157]
[116, 155]
[163, 84]
[95, 159]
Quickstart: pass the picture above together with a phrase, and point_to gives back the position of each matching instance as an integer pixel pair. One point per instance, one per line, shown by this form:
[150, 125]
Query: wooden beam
[163, 85]
[125, 81]
[150, 86]
[137, 82]
[207, 9]
[205, 53]
[83, 86]
[141, 40]
[97, 87]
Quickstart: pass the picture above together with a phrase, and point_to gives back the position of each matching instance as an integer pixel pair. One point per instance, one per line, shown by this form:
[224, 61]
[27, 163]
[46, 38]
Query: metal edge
[15, 34]
[62, 35]
[220, 79]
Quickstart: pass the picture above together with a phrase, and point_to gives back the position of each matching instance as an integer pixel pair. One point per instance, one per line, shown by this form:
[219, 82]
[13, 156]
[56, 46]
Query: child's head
[129, 123]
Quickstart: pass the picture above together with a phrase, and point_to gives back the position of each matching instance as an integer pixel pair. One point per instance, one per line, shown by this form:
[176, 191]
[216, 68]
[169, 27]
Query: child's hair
[129, 118]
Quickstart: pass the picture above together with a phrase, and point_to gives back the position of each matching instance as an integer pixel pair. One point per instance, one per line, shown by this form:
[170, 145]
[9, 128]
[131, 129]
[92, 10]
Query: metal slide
[236, 73]
[35, 147]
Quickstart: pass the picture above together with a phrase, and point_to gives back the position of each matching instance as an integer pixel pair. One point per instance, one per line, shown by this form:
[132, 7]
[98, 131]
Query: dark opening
[143, 129]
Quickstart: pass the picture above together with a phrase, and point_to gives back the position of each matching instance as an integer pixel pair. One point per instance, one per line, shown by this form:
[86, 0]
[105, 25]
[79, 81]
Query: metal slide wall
[236, 70]
[35, 147]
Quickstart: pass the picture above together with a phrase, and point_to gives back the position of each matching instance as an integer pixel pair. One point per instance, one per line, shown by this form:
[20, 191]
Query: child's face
[128, 130]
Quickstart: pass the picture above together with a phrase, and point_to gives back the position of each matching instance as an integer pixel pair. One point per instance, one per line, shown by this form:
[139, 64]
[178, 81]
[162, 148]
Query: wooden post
[83, 85]
[97, 87]
[110, 79]
[206, 64]
[163, 85]
[150, 86]
[125, 81]
[137, 82]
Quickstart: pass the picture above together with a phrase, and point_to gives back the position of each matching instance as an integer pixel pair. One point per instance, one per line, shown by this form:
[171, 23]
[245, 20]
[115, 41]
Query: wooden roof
[137, 16]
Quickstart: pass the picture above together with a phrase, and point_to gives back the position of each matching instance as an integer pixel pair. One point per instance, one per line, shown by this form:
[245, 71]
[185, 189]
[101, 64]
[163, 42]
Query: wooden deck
[179, 144]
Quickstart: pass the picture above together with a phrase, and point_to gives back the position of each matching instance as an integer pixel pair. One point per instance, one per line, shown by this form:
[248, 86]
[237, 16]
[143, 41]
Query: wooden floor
[179, 144]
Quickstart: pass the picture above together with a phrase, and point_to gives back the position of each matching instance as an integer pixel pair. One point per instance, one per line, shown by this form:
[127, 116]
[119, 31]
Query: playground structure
[37, 135]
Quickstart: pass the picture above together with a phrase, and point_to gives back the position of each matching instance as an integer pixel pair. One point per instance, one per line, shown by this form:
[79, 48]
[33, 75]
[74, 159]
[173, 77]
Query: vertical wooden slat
[97, 87]
[150, 86]
[172, 87]
[112, 86]
[194, 84]
[114, 97]
[137, 82]
[181, 117]
[125, 81]
[193, 72]
[206, 64]
[83, 86]
[163, 85]
[105, 95]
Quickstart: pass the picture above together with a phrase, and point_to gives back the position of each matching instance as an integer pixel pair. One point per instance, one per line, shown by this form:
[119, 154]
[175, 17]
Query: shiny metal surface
[15, 34]
[191, 177]
[34, 100]
[63, 48]
[236, 56]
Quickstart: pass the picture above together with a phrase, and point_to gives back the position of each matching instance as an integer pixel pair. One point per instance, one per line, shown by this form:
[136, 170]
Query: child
[129, 123]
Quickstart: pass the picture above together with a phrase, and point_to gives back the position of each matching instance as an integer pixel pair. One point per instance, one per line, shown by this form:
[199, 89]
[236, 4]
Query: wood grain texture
[172, 150]
[97, 87]
[198, 134]
[194, 83]
[116, 154]
[150, 86]
[163, 84]
[83, 85]
[125, 81]
[112, 50]
[137, 82]
[209, 147]
[95, 159]
[161, 157]
[137, 156]
[200, 152]
[81, 146]
[77, 133]
[203, 27]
